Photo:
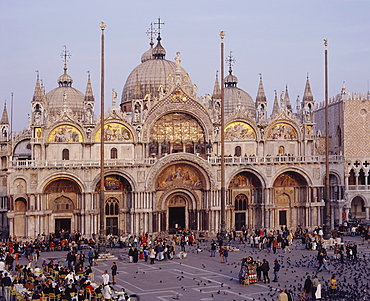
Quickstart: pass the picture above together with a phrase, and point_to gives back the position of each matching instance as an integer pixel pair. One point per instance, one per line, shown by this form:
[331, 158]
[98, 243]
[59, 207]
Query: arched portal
[290, 196]
[117, 202]
[357, 210]
[177, 207]
[63, 195]
[246, 198]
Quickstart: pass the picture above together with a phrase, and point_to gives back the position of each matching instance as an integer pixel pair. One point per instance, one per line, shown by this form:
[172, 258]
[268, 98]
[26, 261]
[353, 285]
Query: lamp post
[102, 235]
[327, 210]
[223, 191]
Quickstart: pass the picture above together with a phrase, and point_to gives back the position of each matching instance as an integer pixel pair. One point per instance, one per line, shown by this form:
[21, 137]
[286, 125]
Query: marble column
[340, 209]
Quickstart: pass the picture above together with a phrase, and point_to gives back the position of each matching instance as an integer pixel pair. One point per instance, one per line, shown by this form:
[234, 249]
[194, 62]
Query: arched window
[352, 178]
[65, 154]
[238, 151]
[361, 177]
[111, 207]
[339, 136]
[111, 212]
[241, 202]
[113, 153]
[281, 150]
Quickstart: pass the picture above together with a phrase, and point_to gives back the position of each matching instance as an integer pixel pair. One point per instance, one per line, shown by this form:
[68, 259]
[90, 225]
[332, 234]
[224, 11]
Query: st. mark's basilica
[162, 157]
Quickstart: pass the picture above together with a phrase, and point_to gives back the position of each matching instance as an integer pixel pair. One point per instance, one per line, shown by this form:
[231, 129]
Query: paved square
[201, 277]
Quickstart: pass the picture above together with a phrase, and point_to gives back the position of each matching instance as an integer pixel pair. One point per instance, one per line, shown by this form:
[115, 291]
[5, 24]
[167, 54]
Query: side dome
[65, 96]
[151, 76]
[236, 97]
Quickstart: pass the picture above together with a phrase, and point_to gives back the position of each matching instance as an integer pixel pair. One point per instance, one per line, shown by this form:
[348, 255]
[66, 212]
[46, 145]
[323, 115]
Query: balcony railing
[152, 160]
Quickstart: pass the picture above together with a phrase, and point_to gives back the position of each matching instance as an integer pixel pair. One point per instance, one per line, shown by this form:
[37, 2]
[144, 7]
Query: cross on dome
[159, 23]
[230, 60]
[151, 32]
[65, 55]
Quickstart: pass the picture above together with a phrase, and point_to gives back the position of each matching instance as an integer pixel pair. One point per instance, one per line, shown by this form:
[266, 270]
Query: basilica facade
[162, 158]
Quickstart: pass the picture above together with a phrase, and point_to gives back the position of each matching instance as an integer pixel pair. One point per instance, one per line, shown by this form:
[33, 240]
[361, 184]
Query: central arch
[290, 193]
[178, 211]
[245, 190]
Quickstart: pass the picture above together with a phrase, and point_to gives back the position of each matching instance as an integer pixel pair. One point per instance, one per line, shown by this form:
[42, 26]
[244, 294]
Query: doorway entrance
[176, 217]
[62, 224]
[239, 220]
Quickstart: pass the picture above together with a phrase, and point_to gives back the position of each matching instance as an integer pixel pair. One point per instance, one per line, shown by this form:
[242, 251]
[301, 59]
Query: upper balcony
[252, 160]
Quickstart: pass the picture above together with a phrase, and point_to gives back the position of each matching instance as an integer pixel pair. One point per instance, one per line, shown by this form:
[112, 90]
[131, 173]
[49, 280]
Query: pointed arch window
[113, 153]
[238, 151]
[65, 154]
[352, 178]
[111, 207]
[241, 202]
[361, 177]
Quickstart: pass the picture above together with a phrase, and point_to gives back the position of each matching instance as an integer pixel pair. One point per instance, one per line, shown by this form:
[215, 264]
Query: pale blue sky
[283, 40]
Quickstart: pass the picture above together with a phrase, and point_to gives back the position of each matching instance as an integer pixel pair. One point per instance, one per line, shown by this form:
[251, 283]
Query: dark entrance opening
[239, 221]
[282, 218]
[62, 225]
[112, 225]
[176, 218]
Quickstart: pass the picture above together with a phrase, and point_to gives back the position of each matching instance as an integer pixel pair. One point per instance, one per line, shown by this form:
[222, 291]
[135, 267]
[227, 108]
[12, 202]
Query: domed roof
[236, 97]
[65, 96]
[231, 80]
[150, 75]
[147, 55]
[65, 80]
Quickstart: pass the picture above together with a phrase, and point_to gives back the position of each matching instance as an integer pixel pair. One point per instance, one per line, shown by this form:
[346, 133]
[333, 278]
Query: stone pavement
[201, 277]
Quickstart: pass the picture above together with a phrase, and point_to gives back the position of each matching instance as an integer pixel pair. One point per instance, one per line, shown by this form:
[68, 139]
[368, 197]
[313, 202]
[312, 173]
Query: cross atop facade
[65, 55]
[151, 32]
[230, 60]
[159, 23]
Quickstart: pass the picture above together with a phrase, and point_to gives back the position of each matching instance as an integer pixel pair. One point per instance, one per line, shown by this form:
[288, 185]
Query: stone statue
[114, 98]
[152, 147]
[178, 58]
[198, 147]
[164, 147]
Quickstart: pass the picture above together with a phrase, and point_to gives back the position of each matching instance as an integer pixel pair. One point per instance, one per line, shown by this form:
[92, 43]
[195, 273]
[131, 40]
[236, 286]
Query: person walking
[265, 267]
[307, 287]
[114, 272]
[315, 283]
[333, 285]
[213, 248]
[152, 255]
[6, 283]
[226, 255]
[276, 270]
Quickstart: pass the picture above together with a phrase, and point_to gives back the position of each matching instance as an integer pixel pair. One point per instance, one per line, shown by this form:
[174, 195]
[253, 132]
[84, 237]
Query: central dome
[151, 76]
[65, 96]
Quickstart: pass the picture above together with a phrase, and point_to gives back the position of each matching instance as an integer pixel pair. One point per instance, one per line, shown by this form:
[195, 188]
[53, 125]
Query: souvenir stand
[248, 271]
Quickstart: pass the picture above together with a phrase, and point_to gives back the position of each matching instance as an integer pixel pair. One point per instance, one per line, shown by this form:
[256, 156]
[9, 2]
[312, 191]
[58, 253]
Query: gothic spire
[38, 94]
[276, 108]
[89, 96]
[216, 89]
[261, 96]
[307, 96]
[287, 103]
[4, 117]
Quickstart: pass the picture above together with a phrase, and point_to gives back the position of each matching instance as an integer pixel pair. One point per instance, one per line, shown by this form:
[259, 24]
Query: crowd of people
[73, 280]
